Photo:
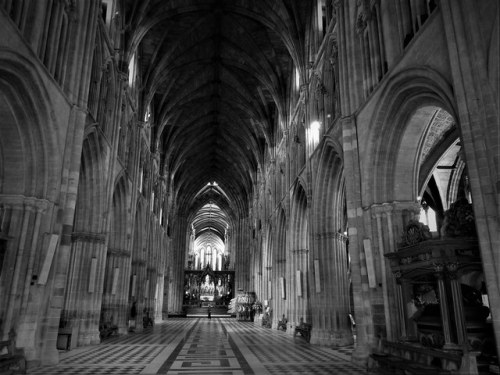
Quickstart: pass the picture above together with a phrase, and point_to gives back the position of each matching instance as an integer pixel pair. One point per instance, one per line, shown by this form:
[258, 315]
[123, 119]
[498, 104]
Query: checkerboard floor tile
[201, 346]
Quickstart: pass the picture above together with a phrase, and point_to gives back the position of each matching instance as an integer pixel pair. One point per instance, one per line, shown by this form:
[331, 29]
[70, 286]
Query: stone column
[330, 292]
[298, 304]
[21, 305]
[150, 291]
[443, 306]
[176, 289]
[383, 272]
[362, 304]
[279, 303]
[458, 307]
[23, 212]
[137, 293]
[82, 306]
[401, 306]
[268, 293]
[241, 256]
[115, 305]
[478, 119]
[392, 218]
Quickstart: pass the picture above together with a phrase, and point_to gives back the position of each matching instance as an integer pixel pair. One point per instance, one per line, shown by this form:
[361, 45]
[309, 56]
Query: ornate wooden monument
[440, 292]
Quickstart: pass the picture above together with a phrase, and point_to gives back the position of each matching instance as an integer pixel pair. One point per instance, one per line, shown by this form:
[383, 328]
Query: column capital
[389, 207]
[300, 251]
[407, 205]
[88, 237]
[120, 253]
[452, 270]
[398, 276]
[19, 202]
[335, 235]
[438, 271]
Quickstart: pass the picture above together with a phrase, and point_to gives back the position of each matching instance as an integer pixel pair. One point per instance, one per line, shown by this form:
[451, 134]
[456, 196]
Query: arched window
[428, 217]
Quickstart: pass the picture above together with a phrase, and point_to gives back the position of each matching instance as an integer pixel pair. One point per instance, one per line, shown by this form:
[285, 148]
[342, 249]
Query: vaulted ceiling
[217, 74]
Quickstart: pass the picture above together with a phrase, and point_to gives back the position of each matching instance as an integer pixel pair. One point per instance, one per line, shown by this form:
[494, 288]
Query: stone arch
[329, 184]
[90, 204]
[28, 160]
[416, 127]
[30, 185]
[299, 216]
[118, 220]
[395, 140]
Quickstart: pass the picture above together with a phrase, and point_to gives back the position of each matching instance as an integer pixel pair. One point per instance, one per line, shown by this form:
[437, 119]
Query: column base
[26, 339]
[324, 337]
[360, 355]
[91, 337]
[50, 354]
[290, 329]
[122, 330]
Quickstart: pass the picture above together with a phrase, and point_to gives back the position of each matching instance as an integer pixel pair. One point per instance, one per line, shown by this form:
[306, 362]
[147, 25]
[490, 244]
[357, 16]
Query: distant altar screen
[207, 290]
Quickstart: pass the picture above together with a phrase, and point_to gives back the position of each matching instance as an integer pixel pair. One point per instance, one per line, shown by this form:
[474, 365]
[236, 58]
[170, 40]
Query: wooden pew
[12, 362]
[304, 329]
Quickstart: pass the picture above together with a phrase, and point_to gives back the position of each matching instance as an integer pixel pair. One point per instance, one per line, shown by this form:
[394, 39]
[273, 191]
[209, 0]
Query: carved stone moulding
[120, 253]
[455, 254]
[88, 237]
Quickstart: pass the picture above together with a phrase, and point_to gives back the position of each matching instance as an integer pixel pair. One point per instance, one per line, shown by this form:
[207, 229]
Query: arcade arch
[417, 165]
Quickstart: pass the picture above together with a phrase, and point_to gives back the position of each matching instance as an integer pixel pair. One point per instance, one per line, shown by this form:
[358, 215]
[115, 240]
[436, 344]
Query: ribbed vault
[215, 74]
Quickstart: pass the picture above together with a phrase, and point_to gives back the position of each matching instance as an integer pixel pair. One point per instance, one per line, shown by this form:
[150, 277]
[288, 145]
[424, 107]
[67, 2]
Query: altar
[207, 289]
[207, 285]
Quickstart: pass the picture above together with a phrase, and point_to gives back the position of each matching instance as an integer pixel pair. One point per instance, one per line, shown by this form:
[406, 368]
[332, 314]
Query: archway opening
[430, 178]
[207, 278]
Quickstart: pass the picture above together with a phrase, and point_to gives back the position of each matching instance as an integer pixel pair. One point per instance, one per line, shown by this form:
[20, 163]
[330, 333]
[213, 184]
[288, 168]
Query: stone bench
[13, 361]
[304, 329]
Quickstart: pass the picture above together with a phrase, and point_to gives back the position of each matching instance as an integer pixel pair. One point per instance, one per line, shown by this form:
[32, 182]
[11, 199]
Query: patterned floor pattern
[204, 346]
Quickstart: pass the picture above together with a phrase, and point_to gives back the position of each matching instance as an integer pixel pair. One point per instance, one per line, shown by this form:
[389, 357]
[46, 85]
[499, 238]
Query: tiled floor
[201, 346]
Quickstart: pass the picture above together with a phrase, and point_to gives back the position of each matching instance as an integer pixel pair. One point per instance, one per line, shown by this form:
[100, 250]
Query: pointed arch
[394, 173]
[29, 142]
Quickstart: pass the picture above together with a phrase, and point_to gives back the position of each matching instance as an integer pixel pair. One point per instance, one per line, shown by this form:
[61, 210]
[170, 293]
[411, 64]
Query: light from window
[428, 217]
[147, 115]
[297, 78]
[131, 71]
[314, 133]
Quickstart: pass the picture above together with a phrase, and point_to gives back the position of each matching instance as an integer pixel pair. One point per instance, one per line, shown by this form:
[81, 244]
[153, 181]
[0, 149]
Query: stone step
[192, 311]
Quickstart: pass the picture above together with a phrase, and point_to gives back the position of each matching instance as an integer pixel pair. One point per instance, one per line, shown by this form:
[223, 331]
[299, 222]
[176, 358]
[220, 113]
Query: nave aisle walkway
[217, 346]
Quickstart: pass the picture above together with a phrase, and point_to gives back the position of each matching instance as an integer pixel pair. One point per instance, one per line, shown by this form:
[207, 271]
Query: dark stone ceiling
[217, 75]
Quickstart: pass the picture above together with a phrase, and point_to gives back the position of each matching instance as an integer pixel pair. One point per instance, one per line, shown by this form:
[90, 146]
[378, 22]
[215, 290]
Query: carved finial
[415, 232]
[459, 220]
[361, 23]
